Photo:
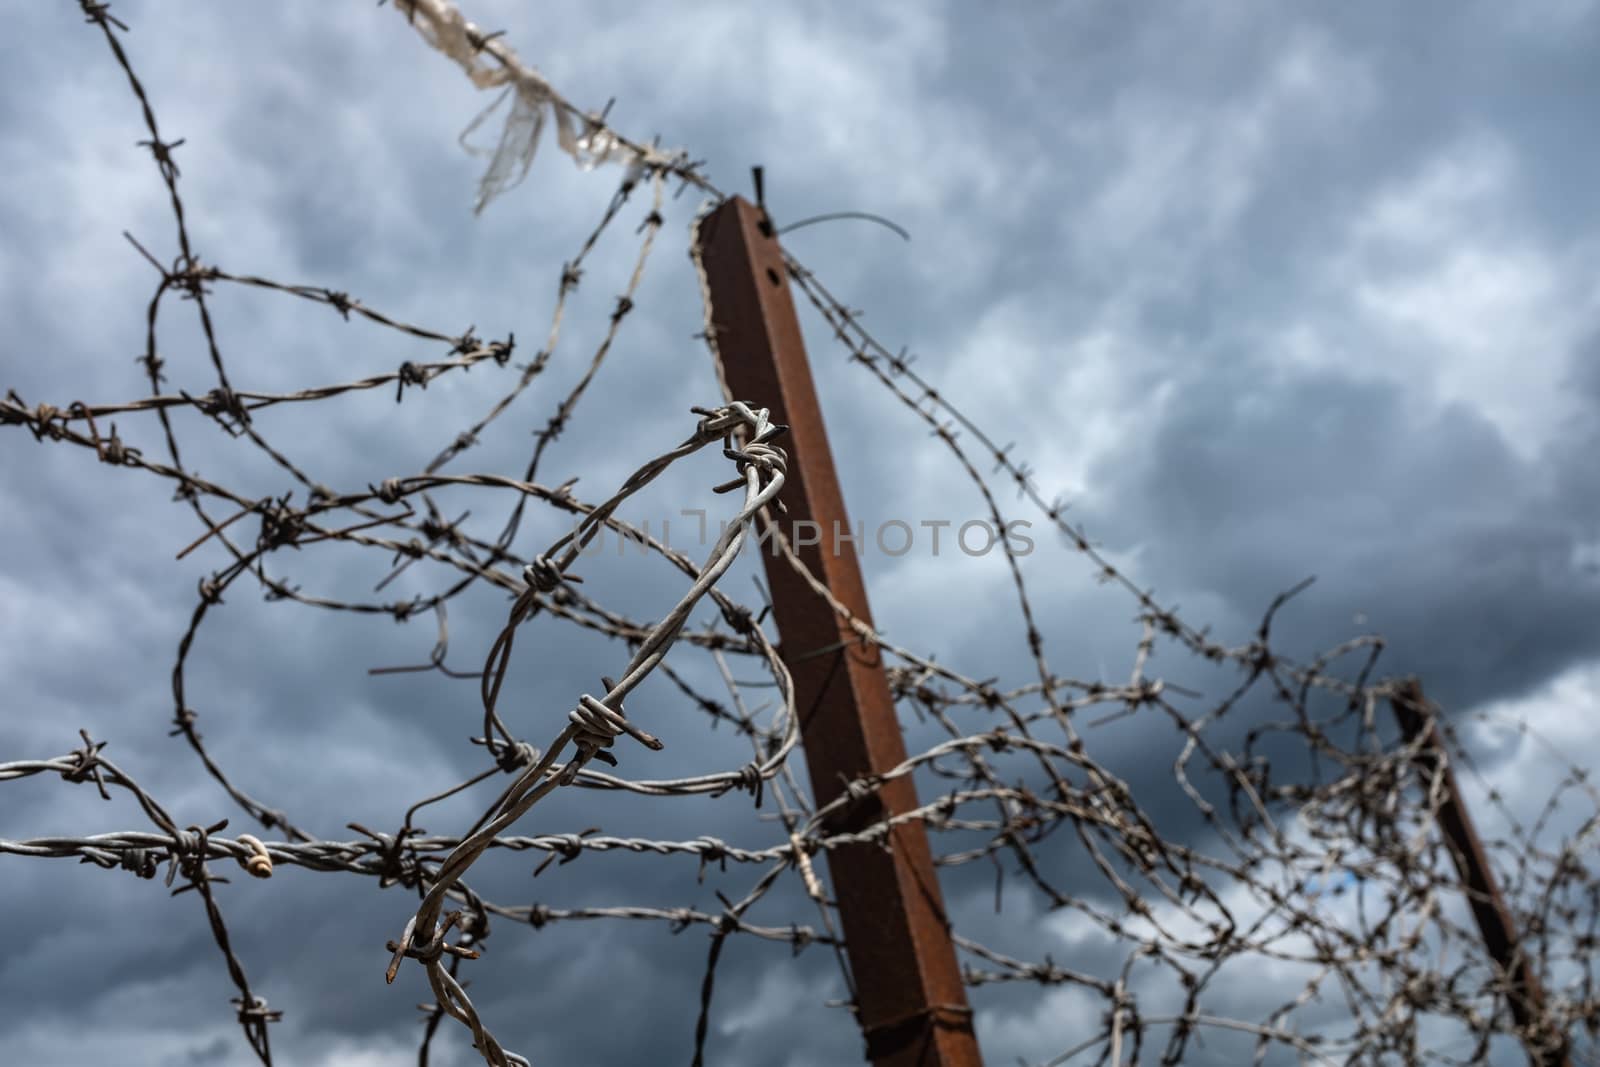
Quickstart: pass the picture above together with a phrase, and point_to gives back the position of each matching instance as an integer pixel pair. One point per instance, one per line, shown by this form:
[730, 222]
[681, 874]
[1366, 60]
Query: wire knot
[140, 861]
[568, 846]
[184, 842]
[86, 764]
[542, 574]
[100, 15]
[596, 727]
[258, 862]
[740, 618]
[44, 423]
[183, 721]
[711, 851]
[188, 851]
[767, 459]
[512, 758]
[255, 1010]
[280, 524]
[394, 867]
[162, 151]
[222, 404]
[430, 952]
[410, 374]
[858, 789]
[113, 451]
[749, 781]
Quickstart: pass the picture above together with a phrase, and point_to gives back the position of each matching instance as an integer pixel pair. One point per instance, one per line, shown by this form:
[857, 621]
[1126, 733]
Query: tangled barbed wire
[1317, 852]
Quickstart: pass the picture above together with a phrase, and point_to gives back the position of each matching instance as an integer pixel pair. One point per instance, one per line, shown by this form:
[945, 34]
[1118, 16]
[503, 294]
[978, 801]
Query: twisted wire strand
[1327, 865]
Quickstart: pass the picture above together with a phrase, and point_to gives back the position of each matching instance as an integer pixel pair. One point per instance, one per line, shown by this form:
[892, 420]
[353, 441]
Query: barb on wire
[1297, 830]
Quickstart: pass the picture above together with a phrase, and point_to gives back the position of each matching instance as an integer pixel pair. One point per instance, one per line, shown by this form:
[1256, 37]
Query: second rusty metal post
[1489, 908]
[911, 1003]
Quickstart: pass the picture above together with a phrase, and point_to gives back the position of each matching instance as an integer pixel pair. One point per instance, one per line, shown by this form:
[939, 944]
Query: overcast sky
[1262, 290]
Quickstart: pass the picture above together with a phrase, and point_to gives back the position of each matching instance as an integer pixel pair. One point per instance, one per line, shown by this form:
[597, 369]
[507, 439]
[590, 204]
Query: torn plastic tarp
[490, 63]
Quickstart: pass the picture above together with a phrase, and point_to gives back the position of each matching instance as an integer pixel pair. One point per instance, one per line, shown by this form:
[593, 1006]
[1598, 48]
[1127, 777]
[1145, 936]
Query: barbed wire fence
[1327, 867]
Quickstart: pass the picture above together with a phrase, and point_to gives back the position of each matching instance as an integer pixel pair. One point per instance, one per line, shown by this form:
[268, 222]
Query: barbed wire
[1316, 851]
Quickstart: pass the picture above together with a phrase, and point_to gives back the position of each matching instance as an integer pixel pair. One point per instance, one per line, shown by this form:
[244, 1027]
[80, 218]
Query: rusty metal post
[1489, 908]
[911, 1004]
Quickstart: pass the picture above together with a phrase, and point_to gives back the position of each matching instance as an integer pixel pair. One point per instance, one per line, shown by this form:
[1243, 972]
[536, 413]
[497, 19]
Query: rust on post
[911, 1004]
[1489, 909]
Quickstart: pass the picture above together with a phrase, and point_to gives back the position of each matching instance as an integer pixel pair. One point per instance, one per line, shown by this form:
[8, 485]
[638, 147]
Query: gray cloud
[1264, 294]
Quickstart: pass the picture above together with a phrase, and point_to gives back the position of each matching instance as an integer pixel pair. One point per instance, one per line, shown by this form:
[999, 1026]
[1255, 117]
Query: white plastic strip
[491, 63]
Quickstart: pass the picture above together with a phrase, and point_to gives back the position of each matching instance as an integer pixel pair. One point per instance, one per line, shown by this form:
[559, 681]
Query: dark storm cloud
[1195, 262]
